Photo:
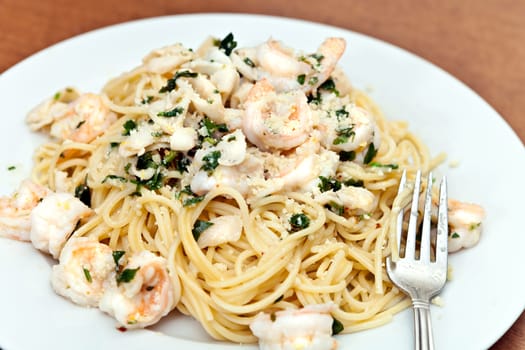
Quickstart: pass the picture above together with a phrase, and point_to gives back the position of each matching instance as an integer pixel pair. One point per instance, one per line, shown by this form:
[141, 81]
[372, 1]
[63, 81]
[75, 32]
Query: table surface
[481, 42]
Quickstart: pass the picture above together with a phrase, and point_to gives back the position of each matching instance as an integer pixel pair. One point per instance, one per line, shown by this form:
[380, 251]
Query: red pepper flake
[122, 328]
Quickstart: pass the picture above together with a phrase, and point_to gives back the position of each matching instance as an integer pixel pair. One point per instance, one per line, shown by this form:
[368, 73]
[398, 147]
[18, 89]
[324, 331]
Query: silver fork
[422, 278]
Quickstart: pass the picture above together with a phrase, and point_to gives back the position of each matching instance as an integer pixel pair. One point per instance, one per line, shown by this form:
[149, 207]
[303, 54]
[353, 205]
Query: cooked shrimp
[309, 328]
[464, 220]
[224, 229]
[285, 69]
[273, 120]
[15, 211]
[85, 267]
[280, 61]
[351, 129]
[350, 197]
[328, 55]
[52, 109]
[81, 120]
[167, 58]
[144, 296]
[54, 219]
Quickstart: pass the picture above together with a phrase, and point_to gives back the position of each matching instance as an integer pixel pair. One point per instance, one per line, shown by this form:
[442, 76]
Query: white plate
[487, 293]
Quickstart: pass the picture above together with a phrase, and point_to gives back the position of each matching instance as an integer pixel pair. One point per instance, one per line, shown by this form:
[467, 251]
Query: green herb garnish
[329, 183]
[329, 85]
[127, 275]
[87, 274]
[11, 168]
[299, 222]
[227, 44]
[199, 227]
[171, 83]
[301, 78]
[313, 80]
[114, 177]
[336, 208]
[345, 156]
[211, 161]
[173, 113]
[370, 154]
[80, 123]
[341, 113]
[145, 161]
[337, 326]
[249, 62]
[343, 135]
[355, 183]
[192, 201]
[128, 126]
[117, 254]
[455, 235]
[212, 127]
[83, 192]
[146, 100]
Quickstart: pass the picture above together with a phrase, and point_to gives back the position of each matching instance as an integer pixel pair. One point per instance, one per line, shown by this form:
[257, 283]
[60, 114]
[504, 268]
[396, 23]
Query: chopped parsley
[128, 126]
[474, 226]
[127, 275]
[301, 78]
[83, 192]
[381, 165]
[211, 161]
[336, 208]
[173, 113]
[212, 127]
[114, 144]
[337, 326]
[56, 97]
[329, 85]
[127, 167]
[313, 80]
[182, 164]
[117, 254]
[199, 227]
[329, 183]
[80, 123]
[146, 161]
[318, 57]
[169, 157]
[171, 83]
[455, 235]
[227, 44]
[154, 183]
[345, 156]
[146, 100]
[87, 274]
[370, 154]
[249, 62]
[299, 222]
[341, 113]
[114, 177]
[314, 99]
[11, 168]
[353, 182]
[343, 135]
[192, 201]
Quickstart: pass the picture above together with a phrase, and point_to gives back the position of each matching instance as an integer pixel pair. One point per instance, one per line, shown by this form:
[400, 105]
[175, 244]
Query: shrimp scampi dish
[251, 188]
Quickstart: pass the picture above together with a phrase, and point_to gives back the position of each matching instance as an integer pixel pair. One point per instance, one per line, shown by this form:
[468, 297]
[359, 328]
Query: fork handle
[422, 325]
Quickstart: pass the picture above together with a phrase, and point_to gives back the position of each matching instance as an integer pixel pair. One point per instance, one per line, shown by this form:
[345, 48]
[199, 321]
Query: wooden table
[481, 42]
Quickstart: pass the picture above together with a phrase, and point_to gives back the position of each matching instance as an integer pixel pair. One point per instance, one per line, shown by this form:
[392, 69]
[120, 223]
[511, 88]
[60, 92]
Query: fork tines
[425, 239]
